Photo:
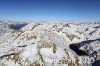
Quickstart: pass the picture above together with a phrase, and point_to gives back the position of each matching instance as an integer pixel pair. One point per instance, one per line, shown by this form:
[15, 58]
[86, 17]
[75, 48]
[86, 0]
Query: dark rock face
[77, 50]
[96, 63]
[89, 49]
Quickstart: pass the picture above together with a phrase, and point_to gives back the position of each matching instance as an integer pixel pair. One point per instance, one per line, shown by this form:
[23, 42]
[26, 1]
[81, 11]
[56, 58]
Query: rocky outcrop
[51, 44]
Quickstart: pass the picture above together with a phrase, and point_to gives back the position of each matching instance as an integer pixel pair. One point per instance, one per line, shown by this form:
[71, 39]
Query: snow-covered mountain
[51, 44]
[8, 26]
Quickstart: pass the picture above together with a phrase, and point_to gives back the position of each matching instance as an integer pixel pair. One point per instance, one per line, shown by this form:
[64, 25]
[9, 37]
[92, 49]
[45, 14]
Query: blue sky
[85, 10]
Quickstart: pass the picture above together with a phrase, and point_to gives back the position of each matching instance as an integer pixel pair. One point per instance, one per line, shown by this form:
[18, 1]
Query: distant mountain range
[8, 26]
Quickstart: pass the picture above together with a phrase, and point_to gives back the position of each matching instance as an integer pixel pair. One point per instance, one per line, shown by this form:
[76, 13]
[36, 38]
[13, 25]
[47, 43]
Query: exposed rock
[51, 44]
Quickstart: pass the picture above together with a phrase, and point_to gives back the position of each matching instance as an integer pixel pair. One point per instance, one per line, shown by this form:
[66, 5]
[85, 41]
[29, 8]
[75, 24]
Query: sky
[84, 10]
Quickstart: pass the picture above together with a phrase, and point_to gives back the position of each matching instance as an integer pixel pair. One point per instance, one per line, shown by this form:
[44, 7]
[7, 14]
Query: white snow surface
[47, 44]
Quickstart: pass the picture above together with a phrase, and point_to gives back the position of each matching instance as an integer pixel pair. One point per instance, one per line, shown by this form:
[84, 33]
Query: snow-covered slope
[8, 26]
[51, 44]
